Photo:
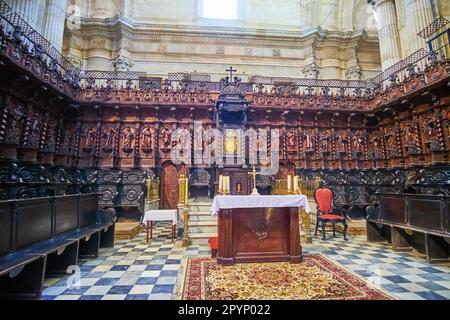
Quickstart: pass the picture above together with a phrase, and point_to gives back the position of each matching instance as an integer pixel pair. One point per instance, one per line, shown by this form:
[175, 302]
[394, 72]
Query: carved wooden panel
[109, 194]
[133, 177]
[109, 177]
[285, 170]
[132, 189]
[240, 183]
[329, 128]
[131, 195]
[199, 177]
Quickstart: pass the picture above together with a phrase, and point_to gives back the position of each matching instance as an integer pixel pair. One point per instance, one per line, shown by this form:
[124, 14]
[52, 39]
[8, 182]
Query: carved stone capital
[310, 71]
[120, 63]
[354, 73]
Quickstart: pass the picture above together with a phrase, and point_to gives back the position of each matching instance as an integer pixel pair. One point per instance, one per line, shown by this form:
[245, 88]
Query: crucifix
[231, 70]
[253, 173]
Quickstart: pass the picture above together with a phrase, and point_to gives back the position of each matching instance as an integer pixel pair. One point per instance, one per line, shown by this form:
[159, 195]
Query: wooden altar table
[259, 228]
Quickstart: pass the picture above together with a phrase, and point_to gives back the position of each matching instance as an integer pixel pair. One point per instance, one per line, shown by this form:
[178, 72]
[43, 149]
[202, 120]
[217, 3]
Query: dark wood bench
[43, 237]
[412, 221]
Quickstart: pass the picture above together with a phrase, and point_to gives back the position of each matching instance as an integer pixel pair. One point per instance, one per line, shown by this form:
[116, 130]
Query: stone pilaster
[54, 22]
[419, 14]
[390, 48]
[121, 63]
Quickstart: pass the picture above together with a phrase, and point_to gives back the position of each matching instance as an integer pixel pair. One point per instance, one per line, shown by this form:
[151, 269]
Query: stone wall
[279, 38]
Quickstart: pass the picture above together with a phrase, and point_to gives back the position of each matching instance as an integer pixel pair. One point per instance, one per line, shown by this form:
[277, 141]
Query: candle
[220, 187]
[227, 184]
[224, 182]
[295, 184]
[289, 182]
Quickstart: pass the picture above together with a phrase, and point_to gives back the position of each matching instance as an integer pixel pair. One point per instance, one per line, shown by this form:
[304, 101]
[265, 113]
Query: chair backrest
[324, 200]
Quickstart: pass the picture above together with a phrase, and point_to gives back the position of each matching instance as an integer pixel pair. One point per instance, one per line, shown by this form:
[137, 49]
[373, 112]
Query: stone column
[29, 11]
[306, 7]
[419, 14]
[128, 8]
[55, 22]
[390, 48]
[102, 9]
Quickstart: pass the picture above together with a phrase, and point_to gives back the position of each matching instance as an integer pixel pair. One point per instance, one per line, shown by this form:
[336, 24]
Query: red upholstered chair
[214, 245]
[327, 213]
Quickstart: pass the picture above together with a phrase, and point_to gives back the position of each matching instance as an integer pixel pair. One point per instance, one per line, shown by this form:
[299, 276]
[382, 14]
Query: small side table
[160, 215]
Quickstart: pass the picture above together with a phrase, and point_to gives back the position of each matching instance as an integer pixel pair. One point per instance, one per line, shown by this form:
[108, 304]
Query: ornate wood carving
[48, 116]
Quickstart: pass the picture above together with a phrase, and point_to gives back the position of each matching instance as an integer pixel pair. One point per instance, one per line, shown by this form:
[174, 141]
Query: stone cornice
[121, 29]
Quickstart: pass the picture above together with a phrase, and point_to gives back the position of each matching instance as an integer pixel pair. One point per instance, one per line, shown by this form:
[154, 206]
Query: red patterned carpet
[317, 278]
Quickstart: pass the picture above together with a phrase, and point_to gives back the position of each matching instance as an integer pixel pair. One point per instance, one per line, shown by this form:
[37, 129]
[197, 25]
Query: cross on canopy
[231, 70]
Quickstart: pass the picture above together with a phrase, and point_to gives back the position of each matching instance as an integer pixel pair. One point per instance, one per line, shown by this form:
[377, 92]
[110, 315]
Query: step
[201, 203]
[200, 207]
[200, 212]
[203, 223]
[201, 238]
[201, 216]
[197, 218]
[203, 235]
[202, 229]
[127, 230]
[200, 199]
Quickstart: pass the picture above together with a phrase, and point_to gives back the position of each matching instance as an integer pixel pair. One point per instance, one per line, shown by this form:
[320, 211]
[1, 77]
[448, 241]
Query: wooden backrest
[429, 212]
[66, 214]
[33, 221]
[88, 210]
[24, 222]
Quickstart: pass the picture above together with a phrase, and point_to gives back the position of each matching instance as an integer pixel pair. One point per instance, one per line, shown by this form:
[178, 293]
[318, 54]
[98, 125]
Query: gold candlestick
[149, 184]
[186, 191]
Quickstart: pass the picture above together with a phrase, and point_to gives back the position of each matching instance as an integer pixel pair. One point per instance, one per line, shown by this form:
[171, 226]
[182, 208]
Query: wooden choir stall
[259, 228]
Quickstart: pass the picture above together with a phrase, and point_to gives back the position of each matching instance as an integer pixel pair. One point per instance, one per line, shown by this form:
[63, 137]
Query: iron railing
[34, 42]
[437, 25]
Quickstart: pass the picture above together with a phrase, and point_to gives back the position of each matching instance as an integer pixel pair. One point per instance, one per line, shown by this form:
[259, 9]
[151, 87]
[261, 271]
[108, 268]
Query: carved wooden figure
[129, 137]
[91, 137]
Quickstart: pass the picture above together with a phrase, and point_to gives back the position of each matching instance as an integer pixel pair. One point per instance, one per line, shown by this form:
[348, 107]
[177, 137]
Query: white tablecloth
[233, 202]
[160, 215]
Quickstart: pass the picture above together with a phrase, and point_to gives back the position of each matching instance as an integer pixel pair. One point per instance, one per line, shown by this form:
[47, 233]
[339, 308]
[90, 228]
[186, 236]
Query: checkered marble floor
[135, 270]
